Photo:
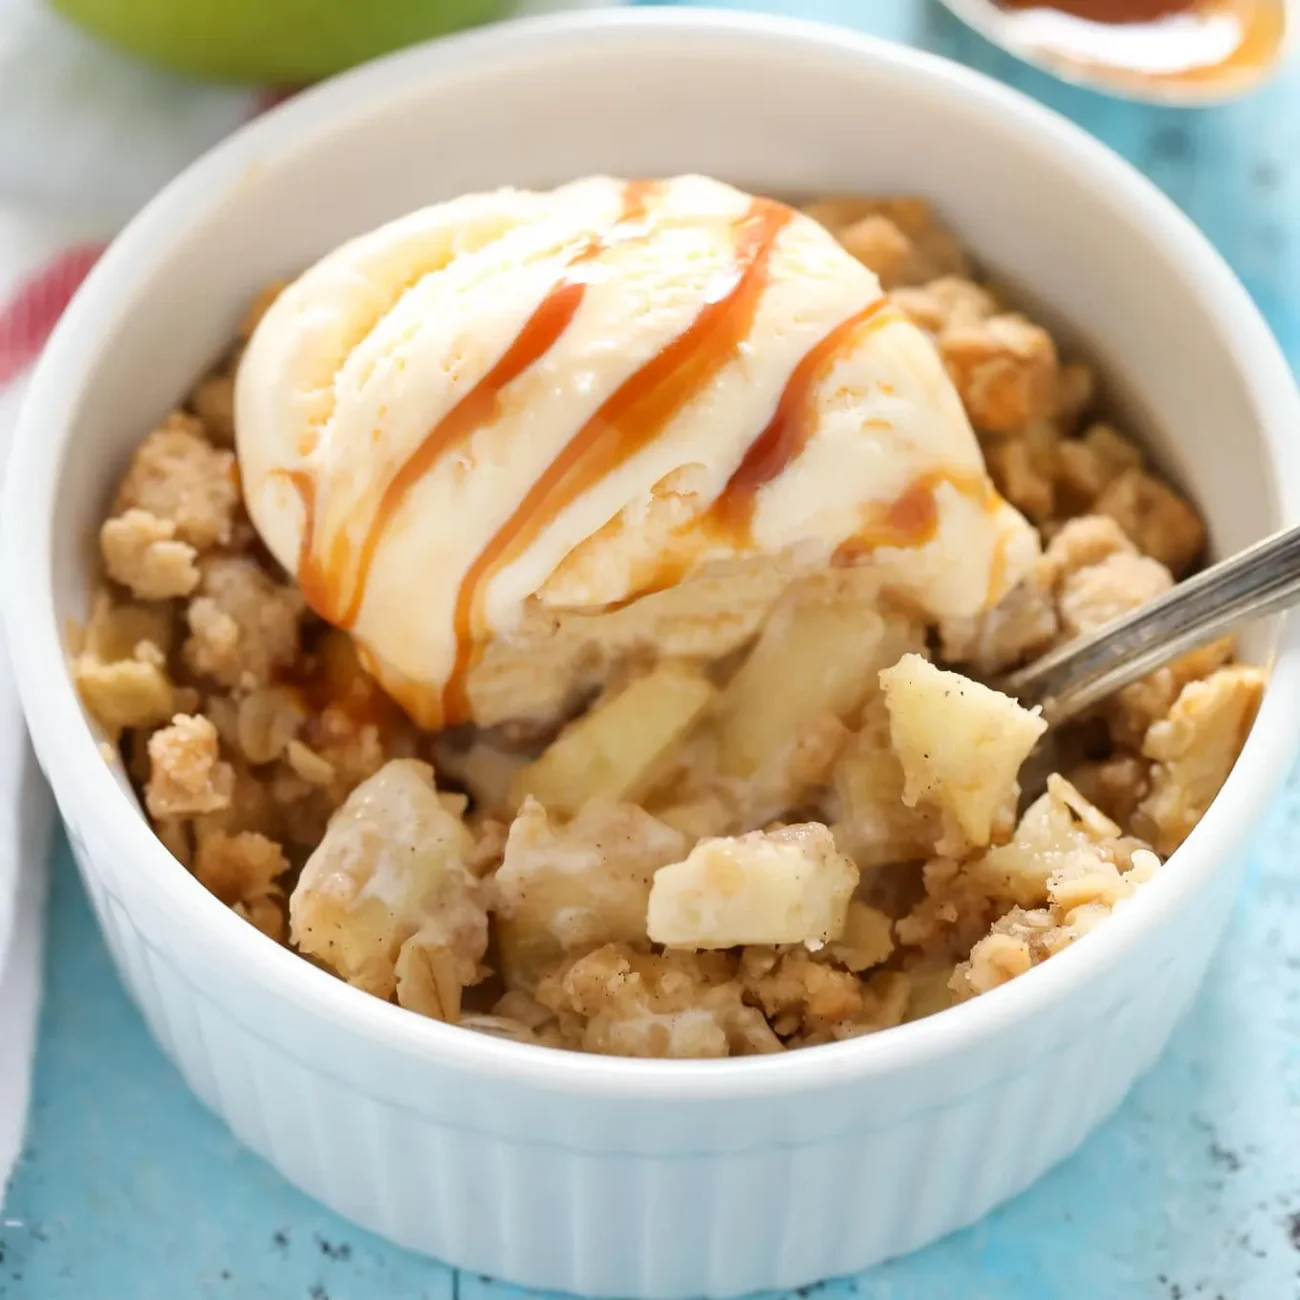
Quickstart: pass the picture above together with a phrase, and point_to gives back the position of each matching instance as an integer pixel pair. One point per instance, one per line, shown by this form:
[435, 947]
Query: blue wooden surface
[130, 1191]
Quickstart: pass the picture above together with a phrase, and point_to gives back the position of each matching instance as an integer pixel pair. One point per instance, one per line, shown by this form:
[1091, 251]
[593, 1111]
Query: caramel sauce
[1108, 11]
[629, 419]
[477, 408]
[1199, 44]
[912, 519]
[787, 432]
[730, 518]
[315, 580]
[322, 578]
[338, 675]
[421, 703]
[993, 591]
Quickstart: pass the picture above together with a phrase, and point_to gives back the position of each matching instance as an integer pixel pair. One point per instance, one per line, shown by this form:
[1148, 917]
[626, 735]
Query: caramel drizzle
[629, 419]
[1261, 31]
[321, 577]
[304, 484]
[1109, 11]
[912, 519]
[729, 520]
[786, 434]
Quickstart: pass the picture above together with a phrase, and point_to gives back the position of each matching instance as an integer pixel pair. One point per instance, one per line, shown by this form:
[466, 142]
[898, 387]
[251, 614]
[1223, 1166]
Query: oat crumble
[758, 843]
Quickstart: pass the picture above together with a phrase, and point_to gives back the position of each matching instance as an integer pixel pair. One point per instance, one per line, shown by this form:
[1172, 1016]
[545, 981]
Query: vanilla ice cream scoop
[514, 412]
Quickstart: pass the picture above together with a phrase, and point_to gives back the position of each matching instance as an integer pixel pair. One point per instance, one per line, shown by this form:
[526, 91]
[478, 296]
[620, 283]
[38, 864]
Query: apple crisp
[792, 817]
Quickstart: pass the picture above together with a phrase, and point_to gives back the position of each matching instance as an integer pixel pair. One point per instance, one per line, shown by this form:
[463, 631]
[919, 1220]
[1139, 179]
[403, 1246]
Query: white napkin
[29, 302]
[86, 137]
[24, 827]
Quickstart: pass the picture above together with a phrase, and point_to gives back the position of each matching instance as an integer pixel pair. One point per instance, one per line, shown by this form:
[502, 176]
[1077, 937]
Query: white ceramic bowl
[624, 1177]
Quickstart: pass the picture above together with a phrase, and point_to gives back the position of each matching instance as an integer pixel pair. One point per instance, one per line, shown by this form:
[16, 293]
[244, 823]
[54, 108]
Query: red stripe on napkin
[27, 319]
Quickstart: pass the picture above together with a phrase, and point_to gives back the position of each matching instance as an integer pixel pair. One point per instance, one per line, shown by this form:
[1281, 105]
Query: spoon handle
[1261, 580]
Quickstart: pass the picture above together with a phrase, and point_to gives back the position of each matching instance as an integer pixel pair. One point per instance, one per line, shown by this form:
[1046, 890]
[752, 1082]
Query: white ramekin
[621, 1177]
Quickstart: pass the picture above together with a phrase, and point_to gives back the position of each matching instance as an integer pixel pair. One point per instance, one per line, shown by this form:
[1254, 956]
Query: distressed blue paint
[130, 1191]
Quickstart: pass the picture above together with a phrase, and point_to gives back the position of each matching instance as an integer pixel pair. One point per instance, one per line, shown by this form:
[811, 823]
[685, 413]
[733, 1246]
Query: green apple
[281, 42]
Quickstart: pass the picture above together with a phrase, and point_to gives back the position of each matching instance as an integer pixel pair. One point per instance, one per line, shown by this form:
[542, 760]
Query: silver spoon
[1197, 52]
[1261, 580]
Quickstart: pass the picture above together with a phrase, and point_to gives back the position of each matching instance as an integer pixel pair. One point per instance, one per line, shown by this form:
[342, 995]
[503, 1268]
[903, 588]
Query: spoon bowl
[1065, 683]
[1199, 52]
[1262, 580]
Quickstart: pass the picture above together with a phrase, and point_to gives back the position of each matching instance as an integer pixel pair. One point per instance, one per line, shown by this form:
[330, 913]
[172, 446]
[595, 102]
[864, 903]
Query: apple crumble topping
[797, 823]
